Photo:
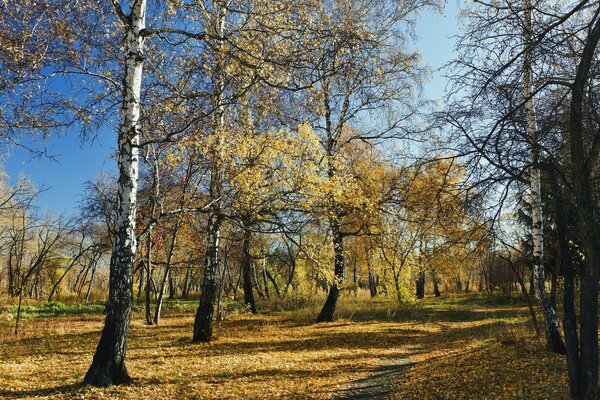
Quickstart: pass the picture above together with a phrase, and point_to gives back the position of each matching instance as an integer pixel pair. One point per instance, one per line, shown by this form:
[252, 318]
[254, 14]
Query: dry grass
[459, 349]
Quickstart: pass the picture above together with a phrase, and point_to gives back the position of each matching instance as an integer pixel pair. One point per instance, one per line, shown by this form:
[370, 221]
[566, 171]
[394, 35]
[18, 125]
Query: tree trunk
[108, 366]
[247, 271]
[372, 277]
[264, 276]
[582, 164]
[355, 276]
[161, 294]
[89, 289]
[147, 299]
[222, 281]
[185, 290]
[434, 280]
[328, 310]
[458, 283]
[521, 283]
[203, 324]
[569, 312]
[421, 285]
[167, 277]
[172, 286]
[553, 339]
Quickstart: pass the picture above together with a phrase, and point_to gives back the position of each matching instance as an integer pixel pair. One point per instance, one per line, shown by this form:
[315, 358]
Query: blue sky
[76, 162]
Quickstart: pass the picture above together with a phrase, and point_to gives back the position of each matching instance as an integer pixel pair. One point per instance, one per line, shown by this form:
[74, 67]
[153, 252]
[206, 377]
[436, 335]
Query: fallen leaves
[459, 352]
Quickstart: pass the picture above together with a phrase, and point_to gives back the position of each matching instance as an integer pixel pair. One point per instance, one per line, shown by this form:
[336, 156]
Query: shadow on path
[377, 385]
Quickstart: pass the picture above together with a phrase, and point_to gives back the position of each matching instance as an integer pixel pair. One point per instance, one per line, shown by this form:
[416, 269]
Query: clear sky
[76, 162]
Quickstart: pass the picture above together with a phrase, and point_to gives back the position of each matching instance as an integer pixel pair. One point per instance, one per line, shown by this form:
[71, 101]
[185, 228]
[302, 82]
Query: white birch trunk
[108, 367]
[552, 330]
[203, 324]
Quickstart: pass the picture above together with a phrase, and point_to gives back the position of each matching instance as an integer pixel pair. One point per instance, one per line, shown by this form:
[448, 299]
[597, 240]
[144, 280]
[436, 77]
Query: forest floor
[456, 347]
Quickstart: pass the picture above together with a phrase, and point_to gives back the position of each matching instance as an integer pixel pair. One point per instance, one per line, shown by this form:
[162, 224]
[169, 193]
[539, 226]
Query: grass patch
[53, 309]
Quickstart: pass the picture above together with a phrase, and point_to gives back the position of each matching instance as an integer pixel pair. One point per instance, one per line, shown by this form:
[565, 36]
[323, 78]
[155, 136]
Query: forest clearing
[469, 347]
[300, 199]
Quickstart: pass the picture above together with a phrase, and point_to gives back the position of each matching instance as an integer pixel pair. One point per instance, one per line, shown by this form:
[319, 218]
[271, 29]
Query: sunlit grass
[458, 347]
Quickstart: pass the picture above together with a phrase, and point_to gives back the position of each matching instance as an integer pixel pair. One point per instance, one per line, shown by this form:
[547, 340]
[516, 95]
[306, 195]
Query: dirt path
[377, 385]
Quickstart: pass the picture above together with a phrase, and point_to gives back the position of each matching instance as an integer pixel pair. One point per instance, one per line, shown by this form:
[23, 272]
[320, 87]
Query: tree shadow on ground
[51, 391]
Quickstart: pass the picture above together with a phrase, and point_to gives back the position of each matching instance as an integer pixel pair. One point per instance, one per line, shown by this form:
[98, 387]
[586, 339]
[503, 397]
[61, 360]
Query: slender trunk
[273, 282]
[247, 271]
[203, 324]
[434, 280]
[421, 275]
[185, 291]
[372, 277]
[108, 366]
[89, 289]
[56, 285]
[521, 283]
[421, 285]
[292, 272]
[18, 317]
[569, 312]
[234, 286]
[458, 283]
[148, 288]
[264, 276]
[554, 341]
[172, 286]
[396, 276]
[161, 295]
[167, 276]
[328, 310]
[142, 269]
[355, 276]
[534, 321]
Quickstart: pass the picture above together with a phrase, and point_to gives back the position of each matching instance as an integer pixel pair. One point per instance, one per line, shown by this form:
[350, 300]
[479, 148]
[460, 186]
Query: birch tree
[362, 71]
[108, 367]
[506, 141]
[553, 339]
[564, 43]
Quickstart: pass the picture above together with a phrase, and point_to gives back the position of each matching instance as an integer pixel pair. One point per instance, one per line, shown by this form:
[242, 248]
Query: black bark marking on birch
[108, 366]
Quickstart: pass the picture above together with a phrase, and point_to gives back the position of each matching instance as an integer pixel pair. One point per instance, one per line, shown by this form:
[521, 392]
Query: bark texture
[247, 271]
[554, 341]
[582, 164]
[203, 324]
[328, 310]
[108, 366]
